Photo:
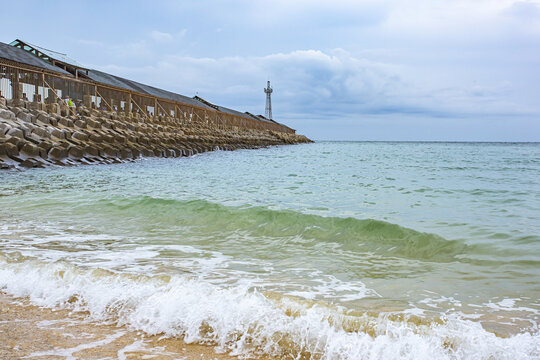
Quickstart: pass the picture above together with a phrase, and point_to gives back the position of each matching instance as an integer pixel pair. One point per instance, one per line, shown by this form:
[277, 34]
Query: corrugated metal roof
[230, 111]
[49, 53]
[117, 81]
[222, 108]
[12, 53]
[260, 118]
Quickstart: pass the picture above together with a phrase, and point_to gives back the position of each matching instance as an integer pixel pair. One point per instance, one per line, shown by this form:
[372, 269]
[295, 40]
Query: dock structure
[51, 80]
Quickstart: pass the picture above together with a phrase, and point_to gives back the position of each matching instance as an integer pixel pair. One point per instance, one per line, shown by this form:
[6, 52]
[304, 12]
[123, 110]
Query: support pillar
[127, 106]
[16, 88]
[87, 101]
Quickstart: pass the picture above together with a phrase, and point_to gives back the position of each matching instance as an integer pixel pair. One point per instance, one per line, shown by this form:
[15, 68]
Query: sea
[331, 250]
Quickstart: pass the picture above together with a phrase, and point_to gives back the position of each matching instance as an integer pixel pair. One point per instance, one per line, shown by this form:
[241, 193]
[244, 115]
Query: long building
[30, 72]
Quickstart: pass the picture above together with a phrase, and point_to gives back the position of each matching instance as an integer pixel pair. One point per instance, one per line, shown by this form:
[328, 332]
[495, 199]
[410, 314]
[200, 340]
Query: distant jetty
[53, 111]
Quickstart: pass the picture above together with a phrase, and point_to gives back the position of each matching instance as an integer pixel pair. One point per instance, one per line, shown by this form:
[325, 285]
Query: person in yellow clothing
[70, 103]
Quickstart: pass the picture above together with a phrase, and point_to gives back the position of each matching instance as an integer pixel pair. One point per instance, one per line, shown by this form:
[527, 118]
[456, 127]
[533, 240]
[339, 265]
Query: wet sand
[28, 331]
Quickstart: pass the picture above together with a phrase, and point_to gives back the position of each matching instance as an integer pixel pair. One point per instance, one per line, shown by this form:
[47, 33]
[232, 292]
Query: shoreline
[33, 138]
[67, 334]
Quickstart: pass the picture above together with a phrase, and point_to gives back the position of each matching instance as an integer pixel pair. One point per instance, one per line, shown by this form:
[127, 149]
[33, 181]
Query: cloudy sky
[340, 69]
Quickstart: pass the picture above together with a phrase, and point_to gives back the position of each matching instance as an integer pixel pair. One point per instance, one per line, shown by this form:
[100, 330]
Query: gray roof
[12, 53]
[259, 117]
[262, 118]
[231, 111]
[51, 54]
[117, 81]
[220, 108]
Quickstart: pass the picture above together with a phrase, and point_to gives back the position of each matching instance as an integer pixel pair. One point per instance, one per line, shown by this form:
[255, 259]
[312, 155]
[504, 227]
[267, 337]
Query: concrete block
[80, 124]
[79, 136]
[41, 132]
[9, 149]
[125, 154]
[90, 150]
[59, 134]
[15, 132]
[66, 122]
[42, 118]
[76, 152]
[53, 108]
[30, 150]
[58, 153]
[7, 114]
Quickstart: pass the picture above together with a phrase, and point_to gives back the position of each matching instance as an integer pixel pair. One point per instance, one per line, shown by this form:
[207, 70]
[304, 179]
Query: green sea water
[332, 250]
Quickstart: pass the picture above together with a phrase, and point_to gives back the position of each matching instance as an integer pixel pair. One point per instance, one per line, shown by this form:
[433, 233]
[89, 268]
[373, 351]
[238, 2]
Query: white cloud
[436, 59]
[432, 59]
[334, 83]
[161, 36]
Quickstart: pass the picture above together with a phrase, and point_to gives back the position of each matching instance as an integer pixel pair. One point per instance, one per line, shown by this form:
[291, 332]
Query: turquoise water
[333, 250]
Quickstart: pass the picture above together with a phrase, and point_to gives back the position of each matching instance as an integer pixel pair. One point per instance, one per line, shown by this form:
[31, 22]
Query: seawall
[31, 137]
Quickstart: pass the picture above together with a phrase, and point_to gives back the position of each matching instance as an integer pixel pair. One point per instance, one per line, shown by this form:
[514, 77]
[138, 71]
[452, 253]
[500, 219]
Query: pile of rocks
[31, 137]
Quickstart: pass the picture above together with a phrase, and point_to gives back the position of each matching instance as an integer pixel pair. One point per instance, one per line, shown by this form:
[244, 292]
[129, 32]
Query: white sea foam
[243, 321]
[68, 353]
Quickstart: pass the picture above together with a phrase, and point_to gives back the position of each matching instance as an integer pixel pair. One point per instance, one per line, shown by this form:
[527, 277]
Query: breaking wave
[243, 321]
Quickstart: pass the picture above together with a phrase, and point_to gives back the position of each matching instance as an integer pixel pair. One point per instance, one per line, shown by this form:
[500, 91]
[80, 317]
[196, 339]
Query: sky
[428, 70]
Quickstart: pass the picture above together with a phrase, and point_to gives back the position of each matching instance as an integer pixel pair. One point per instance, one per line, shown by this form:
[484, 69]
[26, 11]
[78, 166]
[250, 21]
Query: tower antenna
[268, 109]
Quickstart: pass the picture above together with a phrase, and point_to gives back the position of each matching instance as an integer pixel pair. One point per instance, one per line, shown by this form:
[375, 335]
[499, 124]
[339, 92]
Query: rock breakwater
[32, 137]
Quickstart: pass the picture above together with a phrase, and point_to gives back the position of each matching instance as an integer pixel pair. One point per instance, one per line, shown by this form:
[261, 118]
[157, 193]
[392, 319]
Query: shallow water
[330, 250]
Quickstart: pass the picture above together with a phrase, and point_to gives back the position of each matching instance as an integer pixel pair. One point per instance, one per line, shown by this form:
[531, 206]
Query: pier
[55, 111]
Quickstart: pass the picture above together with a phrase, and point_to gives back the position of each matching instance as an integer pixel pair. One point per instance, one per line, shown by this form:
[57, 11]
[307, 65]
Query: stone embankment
[31, 137]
